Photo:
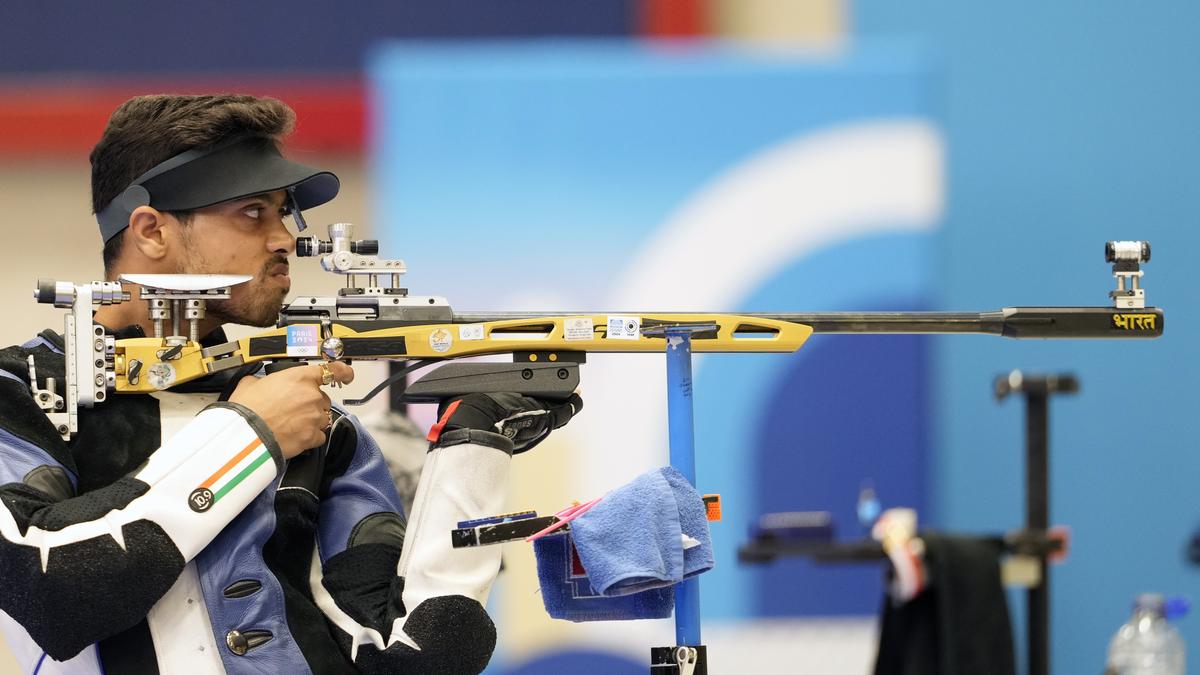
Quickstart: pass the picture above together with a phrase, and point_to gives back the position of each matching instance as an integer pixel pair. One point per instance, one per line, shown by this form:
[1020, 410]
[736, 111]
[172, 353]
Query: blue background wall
[1070, 123]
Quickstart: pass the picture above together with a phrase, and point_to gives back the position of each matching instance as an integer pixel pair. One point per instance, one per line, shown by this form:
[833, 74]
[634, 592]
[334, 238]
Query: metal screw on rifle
[333, 348]
[563, 374]
[527, 374]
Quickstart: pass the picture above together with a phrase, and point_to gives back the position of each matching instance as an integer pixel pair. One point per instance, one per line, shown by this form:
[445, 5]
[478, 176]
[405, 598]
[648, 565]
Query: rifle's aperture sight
[357, 261]
[308, 247]
[343, 254]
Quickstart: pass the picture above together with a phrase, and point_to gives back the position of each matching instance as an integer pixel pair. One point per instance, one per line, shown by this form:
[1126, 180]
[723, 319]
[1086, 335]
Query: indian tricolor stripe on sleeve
[229, 476]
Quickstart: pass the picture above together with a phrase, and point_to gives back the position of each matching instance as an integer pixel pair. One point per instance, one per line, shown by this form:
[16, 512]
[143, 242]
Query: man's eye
[253, 212]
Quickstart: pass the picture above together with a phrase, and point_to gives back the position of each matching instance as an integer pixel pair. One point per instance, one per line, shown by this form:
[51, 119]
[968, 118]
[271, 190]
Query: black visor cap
[232, 170]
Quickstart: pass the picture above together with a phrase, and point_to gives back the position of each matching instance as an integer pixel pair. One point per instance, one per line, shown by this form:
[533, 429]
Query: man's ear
[147, 232]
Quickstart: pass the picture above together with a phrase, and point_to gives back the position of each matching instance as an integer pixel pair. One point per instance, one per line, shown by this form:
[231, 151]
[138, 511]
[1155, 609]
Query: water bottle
[1148, 644]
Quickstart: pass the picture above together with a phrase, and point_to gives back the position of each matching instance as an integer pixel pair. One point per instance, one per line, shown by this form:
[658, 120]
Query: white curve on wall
[730, 237]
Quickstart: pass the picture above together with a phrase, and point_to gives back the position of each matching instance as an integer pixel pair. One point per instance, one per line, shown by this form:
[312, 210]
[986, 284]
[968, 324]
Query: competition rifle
[374, 318]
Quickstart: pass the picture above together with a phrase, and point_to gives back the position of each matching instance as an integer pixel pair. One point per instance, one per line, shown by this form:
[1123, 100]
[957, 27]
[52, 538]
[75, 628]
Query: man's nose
[281, 239]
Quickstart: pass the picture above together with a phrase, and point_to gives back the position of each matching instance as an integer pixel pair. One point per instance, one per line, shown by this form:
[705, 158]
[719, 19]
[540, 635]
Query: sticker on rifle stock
[303, 340]
[440, 340]
[624, 327]
[470, 331]
[161, 376]
[578, 328]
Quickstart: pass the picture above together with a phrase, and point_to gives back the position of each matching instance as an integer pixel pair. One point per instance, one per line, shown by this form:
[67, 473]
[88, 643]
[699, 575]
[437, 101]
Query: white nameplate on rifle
[579, 328]
[624, 328]
[470, 331]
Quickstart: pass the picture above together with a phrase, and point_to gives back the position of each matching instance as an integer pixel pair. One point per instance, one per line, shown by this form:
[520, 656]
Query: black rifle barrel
[1013, 322]
[896, 322]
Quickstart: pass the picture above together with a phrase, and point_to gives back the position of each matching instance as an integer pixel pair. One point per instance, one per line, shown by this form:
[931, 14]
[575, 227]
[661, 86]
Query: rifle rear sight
[343, 254]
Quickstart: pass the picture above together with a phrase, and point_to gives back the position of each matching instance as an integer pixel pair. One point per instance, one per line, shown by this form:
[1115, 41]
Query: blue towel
[693, 522]
[567, 592]
[633, 539]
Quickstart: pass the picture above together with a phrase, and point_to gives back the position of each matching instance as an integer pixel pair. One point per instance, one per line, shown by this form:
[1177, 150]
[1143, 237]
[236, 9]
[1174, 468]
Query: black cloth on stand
[959, 625]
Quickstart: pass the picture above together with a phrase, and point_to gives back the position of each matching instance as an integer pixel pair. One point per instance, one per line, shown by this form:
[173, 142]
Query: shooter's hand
[522, 420]
[292, 404]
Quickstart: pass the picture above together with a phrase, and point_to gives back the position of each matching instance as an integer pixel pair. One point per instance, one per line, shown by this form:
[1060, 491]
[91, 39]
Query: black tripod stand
[1037, 390]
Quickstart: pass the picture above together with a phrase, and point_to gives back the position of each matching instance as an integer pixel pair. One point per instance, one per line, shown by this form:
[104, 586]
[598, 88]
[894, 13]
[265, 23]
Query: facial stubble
[256, 302]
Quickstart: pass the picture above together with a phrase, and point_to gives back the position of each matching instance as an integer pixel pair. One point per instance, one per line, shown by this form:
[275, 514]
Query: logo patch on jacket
[200, 500]
[226, 478]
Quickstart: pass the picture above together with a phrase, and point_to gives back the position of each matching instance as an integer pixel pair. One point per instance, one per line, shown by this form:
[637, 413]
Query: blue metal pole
[681, 434]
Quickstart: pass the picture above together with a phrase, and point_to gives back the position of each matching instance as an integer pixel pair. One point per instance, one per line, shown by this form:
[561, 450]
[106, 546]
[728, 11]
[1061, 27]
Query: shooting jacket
[169, 535]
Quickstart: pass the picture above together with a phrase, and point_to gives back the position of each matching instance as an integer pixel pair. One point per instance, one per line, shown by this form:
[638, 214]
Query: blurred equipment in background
[1037, 391]
[923, 630]
[869, 507]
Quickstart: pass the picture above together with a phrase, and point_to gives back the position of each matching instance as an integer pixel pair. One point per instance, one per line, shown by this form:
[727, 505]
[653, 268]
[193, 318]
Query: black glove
[520, 420]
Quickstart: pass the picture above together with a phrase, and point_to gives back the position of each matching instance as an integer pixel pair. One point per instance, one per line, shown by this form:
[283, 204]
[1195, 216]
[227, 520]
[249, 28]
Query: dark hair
[147, 130]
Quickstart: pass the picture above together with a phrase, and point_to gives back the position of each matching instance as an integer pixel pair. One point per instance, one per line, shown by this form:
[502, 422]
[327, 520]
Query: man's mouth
[279, 272]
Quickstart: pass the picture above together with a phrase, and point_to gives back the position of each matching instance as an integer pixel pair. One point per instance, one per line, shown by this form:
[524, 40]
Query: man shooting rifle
[245, 525]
